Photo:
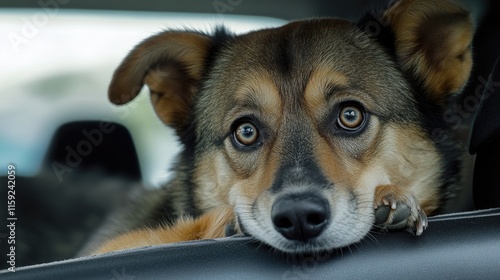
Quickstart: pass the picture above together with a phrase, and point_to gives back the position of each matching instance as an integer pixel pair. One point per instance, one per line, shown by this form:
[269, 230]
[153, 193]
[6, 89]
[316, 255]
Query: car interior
[78, 158]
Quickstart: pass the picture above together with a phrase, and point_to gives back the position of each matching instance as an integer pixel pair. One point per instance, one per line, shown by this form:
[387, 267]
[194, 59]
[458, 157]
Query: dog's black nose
[300, 217]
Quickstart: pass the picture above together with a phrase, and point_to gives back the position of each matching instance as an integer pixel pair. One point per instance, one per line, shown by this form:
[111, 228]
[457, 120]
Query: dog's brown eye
[246, 134]
[350, 117]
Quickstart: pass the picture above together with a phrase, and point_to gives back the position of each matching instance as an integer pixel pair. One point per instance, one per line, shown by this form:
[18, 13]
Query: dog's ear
[433, 43]
[171, 64]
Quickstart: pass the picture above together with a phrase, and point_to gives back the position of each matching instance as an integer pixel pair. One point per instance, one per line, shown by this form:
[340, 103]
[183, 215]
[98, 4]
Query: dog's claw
[421, 223]
[392, 218]
[395, 210]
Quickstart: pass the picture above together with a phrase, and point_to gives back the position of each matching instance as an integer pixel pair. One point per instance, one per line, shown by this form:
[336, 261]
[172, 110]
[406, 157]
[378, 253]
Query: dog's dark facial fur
[318, 118]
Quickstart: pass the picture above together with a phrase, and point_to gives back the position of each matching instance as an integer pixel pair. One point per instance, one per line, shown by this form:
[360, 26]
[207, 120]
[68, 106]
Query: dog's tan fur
[441, 59]
[393, 162]
[212, 225]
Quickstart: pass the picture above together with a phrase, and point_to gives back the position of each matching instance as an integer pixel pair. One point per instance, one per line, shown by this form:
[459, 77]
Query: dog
[305, 136]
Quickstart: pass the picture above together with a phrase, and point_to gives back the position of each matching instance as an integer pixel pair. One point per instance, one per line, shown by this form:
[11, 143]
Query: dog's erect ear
[171, 65]
[432, 42]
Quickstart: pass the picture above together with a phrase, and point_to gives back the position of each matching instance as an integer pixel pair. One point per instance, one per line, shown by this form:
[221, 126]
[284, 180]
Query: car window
[56, 66]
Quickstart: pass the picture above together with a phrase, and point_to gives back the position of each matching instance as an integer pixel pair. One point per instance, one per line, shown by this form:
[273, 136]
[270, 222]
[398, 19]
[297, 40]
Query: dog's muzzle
[300, 216]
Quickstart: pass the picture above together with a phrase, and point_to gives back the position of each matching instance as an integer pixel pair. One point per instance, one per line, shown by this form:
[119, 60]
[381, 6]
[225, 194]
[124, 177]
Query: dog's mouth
[303, 223]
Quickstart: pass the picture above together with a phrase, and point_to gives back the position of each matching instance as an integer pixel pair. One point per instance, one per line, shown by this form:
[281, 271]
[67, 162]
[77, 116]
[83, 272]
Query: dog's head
[296, 126]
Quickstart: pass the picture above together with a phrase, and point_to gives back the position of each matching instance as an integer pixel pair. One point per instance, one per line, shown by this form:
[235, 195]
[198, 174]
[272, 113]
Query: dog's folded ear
[432, 42]
[171, 64]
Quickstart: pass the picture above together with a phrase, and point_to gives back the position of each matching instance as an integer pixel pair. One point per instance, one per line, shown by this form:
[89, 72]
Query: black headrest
[484, 141]
[93, 146]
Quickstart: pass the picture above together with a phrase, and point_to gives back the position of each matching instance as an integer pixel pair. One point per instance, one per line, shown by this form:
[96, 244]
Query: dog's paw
[396, 209]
